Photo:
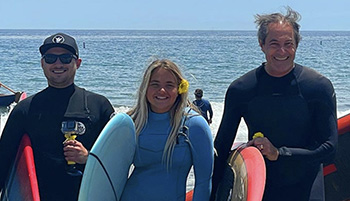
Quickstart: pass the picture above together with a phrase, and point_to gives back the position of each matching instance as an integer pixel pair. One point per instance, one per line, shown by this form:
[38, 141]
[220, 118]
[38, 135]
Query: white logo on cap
[58, 39]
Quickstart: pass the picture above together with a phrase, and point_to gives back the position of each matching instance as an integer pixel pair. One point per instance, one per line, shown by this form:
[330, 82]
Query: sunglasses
[64, 58]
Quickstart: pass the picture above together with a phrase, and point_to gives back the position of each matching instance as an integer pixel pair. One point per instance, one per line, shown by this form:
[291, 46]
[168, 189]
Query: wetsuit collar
[77, 106]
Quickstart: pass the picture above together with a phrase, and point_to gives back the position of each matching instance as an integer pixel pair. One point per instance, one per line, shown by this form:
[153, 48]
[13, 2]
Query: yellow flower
[258, 134]
[183, 86]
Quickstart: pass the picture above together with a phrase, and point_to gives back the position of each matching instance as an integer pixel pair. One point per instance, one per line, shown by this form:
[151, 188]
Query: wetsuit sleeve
[203, 156]
[322, 104]
[210, 111]
[225, 136]
[9, 142]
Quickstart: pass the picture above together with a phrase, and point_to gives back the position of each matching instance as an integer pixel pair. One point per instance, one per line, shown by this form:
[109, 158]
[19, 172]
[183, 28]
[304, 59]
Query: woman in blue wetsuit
[171, 137]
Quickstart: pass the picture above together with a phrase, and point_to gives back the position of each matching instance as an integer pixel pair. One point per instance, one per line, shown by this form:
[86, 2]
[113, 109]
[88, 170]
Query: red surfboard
[337, 174]
[22, 184]
[248, 174]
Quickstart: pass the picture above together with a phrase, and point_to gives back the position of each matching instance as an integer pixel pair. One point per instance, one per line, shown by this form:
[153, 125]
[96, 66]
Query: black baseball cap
[60, 40]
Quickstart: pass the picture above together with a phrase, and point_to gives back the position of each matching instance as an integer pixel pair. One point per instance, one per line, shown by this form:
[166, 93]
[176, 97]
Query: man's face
[58, 74]
[279, 48]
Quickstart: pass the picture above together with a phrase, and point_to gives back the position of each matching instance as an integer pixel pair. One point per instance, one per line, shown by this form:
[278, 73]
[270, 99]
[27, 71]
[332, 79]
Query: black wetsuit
[296, 112]
[41, 116]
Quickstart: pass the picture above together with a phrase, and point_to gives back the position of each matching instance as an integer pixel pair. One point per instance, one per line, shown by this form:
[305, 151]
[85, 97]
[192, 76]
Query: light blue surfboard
[109, 160]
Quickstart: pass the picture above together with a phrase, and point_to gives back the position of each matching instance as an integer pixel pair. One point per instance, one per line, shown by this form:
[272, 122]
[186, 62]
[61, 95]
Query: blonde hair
[139, 113]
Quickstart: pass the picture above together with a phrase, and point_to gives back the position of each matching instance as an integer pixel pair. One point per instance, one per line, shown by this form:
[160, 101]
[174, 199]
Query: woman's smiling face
[162, 90]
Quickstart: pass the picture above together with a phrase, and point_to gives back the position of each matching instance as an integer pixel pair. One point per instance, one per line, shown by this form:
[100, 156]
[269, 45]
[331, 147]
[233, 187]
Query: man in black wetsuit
[292, 105]
[42, 115]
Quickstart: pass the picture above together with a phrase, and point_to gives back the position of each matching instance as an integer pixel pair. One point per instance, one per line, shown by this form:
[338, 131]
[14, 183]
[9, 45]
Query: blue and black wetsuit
[153, 180]
[205, 107]
[41, 116]
[296, 112]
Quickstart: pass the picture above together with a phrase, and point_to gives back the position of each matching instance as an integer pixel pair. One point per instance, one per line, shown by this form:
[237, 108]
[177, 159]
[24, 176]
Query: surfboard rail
[248, 172]
[337, 173]
[109, 161]
[22, 184]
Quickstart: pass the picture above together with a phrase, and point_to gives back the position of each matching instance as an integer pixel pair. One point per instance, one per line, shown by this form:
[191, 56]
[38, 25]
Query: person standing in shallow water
[292, 105]
[171, 138]
[42, 115]
[203, 105]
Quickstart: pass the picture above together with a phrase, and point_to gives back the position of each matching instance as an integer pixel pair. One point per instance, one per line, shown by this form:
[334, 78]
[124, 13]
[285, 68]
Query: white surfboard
[109, 161]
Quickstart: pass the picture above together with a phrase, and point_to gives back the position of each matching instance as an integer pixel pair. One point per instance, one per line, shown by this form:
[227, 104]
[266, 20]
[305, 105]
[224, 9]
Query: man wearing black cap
[45, 116]
[204, 105]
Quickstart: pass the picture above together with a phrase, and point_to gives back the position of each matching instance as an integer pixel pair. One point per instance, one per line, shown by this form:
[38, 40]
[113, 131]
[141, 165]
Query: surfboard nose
[109, 161]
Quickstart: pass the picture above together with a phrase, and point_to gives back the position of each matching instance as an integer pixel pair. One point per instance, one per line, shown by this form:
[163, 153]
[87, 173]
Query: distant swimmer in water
[204, 105]
[172, 137]
[293, 106]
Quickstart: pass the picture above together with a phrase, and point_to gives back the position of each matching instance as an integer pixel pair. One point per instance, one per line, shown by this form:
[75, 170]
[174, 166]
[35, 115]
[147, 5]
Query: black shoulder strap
[77, 106]
[183, 130]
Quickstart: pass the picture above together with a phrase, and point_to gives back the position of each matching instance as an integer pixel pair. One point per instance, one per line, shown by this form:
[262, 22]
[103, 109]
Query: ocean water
[114, 60]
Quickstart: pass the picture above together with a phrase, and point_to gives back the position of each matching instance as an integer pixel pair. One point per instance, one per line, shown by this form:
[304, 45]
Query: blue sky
[167, 14]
